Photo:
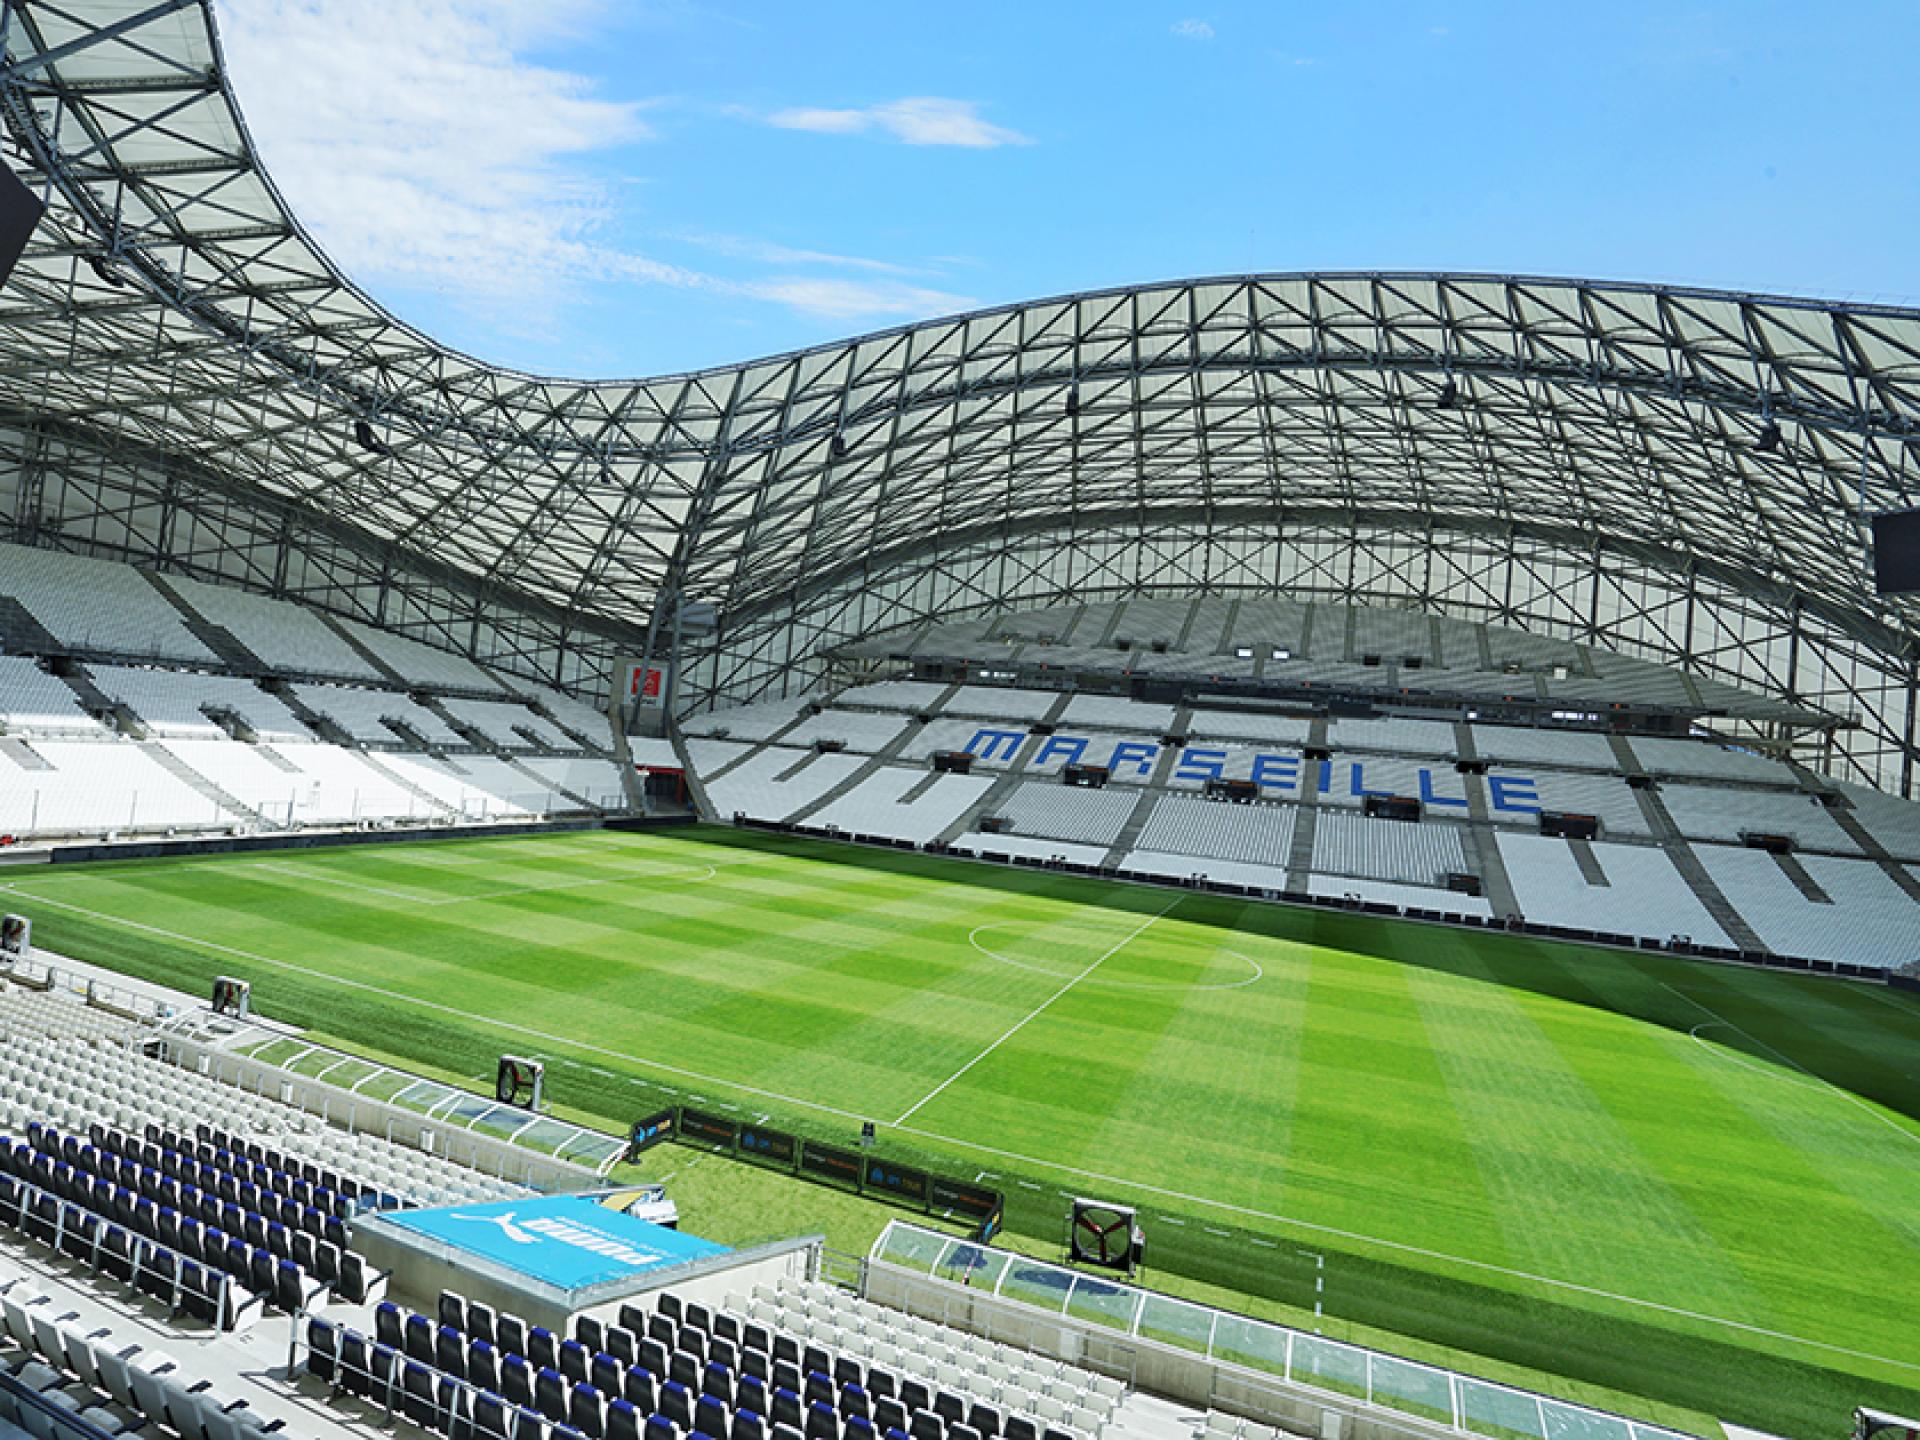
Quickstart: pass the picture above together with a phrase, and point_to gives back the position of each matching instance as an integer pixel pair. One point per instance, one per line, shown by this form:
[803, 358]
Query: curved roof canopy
[172, 298]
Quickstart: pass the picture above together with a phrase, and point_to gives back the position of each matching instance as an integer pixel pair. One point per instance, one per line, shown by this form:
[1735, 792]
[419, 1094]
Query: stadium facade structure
[187, 383]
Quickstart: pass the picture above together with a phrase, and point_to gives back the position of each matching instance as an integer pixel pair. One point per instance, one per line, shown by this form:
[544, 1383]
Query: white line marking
[1033, 1014]
[973, 939]
[412, 897]
[1165, 1192]
[1819, 1082]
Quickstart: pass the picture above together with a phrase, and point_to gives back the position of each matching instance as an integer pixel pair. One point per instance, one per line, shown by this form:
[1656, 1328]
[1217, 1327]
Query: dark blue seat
[822, 1423]
[623, 1421]
[323, 1347]
[587, 1411]
[710, 1418]
[659, 1427]
[550, 1393]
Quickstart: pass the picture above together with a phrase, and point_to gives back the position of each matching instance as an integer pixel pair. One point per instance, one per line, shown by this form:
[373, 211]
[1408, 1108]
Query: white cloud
[1193, 30]
[839, 299]
[421, 148]
[916, 120]
[746, 248]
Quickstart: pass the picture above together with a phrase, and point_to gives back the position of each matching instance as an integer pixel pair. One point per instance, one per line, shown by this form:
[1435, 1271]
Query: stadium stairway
[95, 700]
[21, 634]
[187, 775]
[1712, 899]
[1305, 821]
[22, 754]
[1483, 849]
[1156, 787]
[1005, 785]
[630, 783]
[1801, 880]
[217, 638]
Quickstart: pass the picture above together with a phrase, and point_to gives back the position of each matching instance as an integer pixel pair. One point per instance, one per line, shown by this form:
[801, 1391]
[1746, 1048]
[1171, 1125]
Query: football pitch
[1693, 1183]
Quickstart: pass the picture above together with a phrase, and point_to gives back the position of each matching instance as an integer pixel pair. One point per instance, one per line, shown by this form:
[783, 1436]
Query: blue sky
[624, 187]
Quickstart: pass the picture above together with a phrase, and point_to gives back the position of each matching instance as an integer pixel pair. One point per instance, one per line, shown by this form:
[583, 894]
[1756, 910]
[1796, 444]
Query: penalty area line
[977, 1148]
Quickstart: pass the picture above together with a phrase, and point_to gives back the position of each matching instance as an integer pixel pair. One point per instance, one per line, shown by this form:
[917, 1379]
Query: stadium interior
[1512, 607]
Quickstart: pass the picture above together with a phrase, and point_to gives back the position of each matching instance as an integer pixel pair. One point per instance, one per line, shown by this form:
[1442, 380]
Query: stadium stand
[1252, 834]
[1065, 812]
[903, 804]
[94, 606]
[1373, 849]
[280, 634]
[418, 665]
[1148, 817]
[34, 702]
[509, 726]
[1710, 812]
[177, 702]
[363, 714]
[1549, 883]
[104, 785]
[1817, 906]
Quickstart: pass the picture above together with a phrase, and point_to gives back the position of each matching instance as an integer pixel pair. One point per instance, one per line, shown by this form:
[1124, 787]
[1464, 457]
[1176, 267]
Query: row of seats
[115, 1387]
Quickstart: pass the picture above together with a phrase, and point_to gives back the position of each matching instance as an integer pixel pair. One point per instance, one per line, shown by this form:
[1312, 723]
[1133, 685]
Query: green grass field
[1695, 1184]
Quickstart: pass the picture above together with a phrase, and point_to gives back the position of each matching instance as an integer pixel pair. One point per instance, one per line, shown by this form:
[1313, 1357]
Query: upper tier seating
[589, 722]
[286, 636]
[1894, 823]
[422, 666]
[96, 605]
[1645, 894]
[747, 722]
[37, 703]
[906, 695]
[1708, 812]
[1701, 757]
[1117, 712]
[1236, 725]
[1393, 733]
[175, 702]
[992, 702]
[502, 722]
[857, 730]
[1559, 748]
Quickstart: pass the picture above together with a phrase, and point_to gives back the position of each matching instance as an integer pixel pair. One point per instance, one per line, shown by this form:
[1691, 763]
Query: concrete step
[222, 798]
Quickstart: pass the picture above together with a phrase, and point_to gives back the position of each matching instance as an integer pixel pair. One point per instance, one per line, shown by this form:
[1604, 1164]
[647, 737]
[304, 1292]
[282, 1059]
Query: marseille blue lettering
[1359, 783]
[1137, 753]
[1281, 772]
[995, 744]
[1326, 776]
[1427, 797]
[1065, 746]
[1512, 793]
[1197, 764]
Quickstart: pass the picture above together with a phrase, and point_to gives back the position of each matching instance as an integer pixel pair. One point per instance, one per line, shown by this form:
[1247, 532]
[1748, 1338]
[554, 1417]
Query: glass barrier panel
[973, 1265]
[1174, 1322]
[911, 1249]
[1330, 1365]
[1240, 1341]
[1572, 1422]
[1102, 1303]
[1497, 1411]
[1415, 1389]
[1037, 1284]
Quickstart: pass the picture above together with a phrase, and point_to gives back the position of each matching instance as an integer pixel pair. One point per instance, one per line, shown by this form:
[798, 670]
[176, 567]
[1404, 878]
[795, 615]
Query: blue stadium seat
[587, 1412]
[323, 1347]
[637, 1386]
[516, 1380]
[550, 1393]
[710, 1418]
[623, 1421]
[575, 1361]
[659, 1427]
[822, 1423]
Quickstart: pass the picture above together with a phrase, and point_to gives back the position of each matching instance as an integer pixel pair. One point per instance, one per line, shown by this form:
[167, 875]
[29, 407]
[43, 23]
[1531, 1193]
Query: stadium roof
[172, 298]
